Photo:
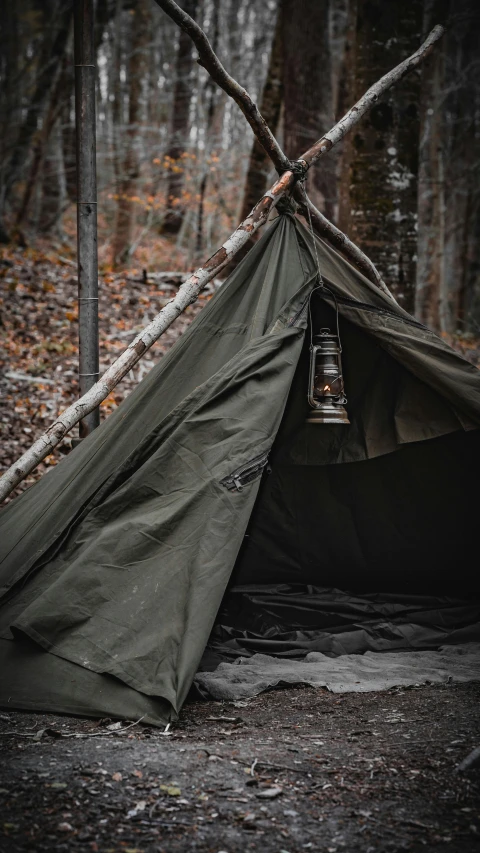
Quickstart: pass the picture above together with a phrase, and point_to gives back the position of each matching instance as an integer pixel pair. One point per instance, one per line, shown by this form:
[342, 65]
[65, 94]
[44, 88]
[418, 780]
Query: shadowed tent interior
[133, 556]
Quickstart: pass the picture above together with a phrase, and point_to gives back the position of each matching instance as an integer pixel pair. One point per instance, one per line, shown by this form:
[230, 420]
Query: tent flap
[114, 566]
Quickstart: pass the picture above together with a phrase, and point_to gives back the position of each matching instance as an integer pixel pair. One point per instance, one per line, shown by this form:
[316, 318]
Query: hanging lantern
[325, 385]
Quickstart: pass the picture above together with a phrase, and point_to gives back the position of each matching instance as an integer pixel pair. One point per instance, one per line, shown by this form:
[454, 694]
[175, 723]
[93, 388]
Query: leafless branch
[191, 288]
[210, 61]
[340, 241]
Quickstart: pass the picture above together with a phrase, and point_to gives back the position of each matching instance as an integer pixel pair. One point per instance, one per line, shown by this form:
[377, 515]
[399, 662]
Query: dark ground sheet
[359, 772]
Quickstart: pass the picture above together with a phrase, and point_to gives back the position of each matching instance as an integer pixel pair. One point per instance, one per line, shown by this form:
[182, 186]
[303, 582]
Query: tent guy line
[190, 289]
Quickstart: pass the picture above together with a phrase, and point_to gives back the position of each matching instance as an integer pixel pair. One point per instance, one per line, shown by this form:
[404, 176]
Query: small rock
[65, 827]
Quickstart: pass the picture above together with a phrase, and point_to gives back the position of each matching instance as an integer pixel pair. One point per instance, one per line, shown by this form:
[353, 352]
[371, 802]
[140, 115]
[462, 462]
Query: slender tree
[137, 65]
[49, 60]
[381, 181]
[462, 162]
[260, 166]
[431, 180]
[308, 89]
[179, 128]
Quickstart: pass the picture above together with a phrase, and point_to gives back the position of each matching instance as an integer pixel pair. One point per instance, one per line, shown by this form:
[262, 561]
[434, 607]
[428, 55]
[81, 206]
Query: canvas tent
[116, 566]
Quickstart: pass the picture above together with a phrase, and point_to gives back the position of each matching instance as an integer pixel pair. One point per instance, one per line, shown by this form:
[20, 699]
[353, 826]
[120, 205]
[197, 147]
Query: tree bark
[137, 65]
[461, 133]
[308, 90]
[50, 58]
[179, 128]
[260, 164]
[210, 104]
[39, 148]
[382, 178]
[431, 181]
[10, 53]
[54, 184]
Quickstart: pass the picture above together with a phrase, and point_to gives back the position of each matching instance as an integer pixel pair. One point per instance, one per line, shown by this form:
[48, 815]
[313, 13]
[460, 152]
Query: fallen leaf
[117, 777]
[171, 790]
[269, 793]
[139, 807]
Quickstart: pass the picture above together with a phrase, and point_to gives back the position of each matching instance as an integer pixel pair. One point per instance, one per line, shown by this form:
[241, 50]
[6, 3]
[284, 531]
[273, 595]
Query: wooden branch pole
[85, 71]
[191, 288]
[326, 229]
[210, 61]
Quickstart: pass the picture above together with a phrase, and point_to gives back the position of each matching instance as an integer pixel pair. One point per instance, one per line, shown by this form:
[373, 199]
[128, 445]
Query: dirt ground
[291, 770]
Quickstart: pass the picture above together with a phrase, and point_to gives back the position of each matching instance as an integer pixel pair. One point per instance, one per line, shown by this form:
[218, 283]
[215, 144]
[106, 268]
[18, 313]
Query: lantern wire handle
[321, 284]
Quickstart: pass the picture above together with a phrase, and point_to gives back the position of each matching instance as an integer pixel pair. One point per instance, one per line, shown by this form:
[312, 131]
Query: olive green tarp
[115, 564]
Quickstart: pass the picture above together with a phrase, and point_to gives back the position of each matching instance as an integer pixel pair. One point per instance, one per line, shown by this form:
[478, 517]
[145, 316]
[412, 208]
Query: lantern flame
[327, 388]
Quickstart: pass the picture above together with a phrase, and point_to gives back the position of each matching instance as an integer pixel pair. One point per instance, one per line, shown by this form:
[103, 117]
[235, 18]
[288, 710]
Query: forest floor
[39, 347]
[291, 770]
[38, 340]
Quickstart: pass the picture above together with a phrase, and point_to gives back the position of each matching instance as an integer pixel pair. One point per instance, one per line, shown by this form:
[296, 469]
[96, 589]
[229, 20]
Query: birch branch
[340, 241]
[187, 293]
[210, 61]
[324, 227]
[191, 288]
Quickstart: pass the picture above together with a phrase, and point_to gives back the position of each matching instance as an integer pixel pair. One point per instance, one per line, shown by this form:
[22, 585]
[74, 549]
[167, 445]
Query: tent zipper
[246, 474]
[362, 306]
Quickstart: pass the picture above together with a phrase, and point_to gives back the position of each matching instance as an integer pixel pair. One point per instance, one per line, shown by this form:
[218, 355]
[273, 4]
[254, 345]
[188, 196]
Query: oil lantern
[325, 385]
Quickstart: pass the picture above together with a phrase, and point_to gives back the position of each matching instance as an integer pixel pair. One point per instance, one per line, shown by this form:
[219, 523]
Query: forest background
[177, 167]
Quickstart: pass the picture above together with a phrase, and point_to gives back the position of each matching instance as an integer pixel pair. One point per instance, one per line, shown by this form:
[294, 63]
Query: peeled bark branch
[340, 241]
[191, 288]
[210, 61]
[186, 294]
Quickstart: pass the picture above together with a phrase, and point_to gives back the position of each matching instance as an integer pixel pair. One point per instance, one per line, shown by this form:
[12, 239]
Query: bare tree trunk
[346, 95]
[308, 88]
[9, 66]
[431, 182]
[40, 144]
[382, 179]
[180, 126]
[210, 103]
[49, 60]
[131, 166]
[54, 184]
[260, 164]
[462, 155]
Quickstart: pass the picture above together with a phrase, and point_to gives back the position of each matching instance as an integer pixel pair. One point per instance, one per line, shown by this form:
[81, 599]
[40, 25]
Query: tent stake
[85, 72]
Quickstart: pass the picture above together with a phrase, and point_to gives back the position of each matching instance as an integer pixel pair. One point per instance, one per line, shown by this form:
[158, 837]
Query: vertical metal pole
[85, 73]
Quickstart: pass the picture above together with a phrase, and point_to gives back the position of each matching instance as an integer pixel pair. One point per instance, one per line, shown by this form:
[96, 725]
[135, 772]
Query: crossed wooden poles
[286, 184]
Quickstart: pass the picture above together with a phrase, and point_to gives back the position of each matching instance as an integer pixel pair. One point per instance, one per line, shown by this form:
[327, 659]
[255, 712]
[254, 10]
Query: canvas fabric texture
[116, 562]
